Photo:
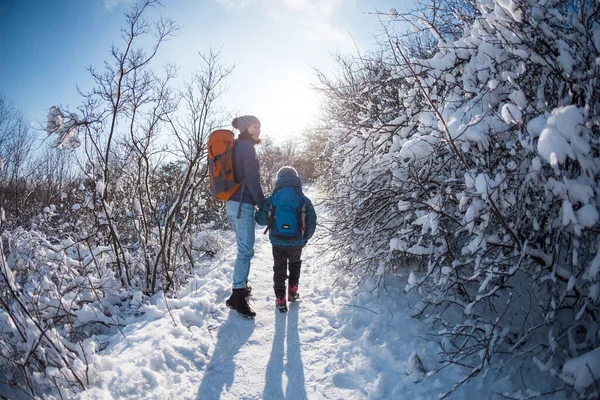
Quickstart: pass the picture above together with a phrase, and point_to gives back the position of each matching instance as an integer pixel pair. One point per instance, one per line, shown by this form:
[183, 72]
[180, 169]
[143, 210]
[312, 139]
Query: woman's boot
[239, 303]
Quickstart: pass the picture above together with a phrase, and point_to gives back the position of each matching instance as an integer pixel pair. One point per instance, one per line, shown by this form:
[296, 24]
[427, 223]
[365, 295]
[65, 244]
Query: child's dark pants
[281, 256]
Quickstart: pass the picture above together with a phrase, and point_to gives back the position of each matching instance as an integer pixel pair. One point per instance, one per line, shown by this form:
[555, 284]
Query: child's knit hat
[243, 123]
[287, 171]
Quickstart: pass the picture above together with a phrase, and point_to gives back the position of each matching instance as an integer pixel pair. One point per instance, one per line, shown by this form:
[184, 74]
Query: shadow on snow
[293, 368]
[220, 372]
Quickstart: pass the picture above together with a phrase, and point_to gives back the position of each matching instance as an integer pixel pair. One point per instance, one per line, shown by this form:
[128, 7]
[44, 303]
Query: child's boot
[281, 304]
[293, 294]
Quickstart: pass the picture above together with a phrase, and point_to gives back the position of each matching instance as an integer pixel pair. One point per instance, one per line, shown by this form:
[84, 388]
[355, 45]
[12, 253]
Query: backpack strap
[227, 155]
[300, 219]
[270, 219]
[239, 215]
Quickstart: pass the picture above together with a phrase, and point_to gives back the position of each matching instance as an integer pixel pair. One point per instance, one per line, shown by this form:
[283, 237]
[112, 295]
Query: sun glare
[288, 111]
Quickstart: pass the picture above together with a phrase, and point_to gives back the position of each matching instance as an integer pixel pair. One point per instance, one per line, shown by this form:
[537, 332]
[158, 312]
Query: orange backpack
[220, 164]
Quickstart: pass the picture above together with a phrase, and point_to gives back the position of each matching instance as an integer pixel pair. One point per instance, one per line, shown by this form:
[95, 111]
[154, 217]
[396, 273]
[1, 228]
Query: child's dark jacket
[262, 217]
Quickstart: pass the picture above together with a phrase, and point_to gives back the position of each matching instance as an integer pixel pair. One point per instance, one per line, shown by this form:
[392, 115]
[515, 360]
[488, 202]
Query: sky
[46, 46]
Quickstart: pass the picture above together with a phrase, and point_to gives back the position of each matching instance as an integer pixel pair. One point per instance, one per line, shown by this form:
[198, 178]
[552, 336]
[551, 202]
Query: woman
[240, 208]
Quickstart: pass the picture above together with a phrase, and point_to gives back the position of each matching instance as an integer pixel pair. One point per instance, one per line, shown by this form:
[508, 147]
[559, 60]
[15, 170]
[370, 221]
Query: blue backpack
[287, 214]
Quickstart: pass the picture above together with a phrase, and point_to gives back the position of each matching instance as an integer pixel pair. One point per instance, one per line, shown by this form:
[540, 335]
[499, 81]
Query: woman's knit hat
[243, 123]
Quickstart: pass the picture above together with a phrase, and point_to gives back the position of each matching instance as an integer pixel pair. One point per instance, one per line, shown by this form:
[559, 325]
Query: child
[291, 221]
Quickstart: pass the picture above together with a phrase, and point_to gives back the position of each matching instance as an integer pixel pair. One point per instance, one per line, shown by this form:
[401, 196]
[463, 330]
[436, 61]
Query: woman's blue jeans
[244, 235]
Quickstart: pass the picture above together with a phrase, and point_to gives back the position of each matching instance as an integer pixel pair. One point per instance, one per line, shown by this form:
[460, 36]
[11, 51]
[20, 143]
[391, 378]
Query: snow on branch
[65, 126]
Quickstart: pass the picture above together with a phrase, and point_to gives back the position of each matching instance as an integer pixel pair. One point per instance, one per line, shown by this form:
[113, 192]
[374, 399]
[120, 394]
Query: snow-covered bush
[480, 165]
[56, 300]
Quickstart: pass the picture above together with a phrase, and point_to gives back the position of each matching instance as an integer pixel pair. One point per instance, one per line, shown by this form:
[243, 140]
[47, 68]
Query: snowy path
[213, 353]
[335, 344]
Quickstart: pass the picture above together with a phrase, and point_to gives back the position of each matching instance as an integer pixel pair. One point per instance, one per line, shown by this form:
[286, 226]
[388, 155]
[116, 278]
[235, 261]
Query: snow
[414, 368]
[568, 120]
[596, 33]
[587, 215]
[512, 7]
[582, 371]
[417, 148]
[511, 114]
[536, 125]
[64, 126]
[553, 147]
[337, 342]
[561, 137]
[346, 341]
[593, 269]
[565, 59]
[568, 213]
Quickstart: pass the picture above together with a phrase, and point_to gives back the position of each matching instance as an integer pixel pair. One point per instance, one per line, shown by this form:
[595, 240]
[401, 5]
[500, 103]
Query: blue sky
[46, 46]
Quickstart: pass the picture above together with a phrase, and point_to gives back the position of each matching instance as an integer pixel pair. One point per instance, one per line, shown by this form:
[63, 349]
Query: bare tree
[190, 135]
[138, 133]
[128, 104]
[271, 159]
[16, 139]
